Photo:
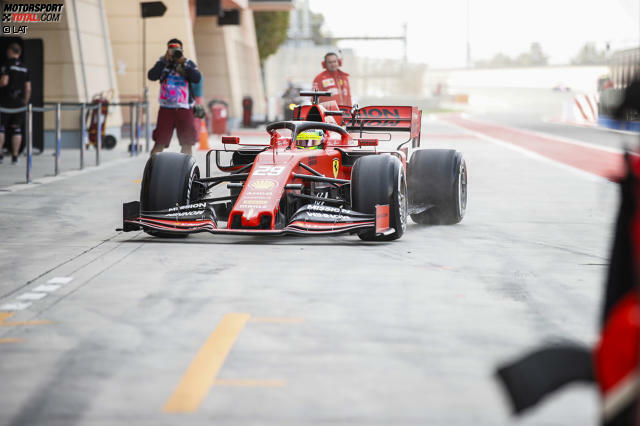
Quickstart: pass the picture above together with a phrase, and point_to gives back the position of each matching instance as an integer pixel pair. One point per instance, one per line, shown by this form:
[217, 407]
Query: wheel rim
[462, 189]
[192, 176]
[402, 201]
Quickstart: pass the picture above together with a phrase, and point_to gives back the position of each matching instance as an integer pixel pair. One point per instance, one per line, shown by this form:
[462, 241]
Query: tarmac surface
[99, 327]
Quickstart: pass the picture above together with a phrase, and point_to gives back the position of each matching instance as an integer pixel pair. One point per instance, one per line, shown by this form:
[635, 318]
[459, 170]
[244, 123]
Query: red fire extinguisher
[108, 141]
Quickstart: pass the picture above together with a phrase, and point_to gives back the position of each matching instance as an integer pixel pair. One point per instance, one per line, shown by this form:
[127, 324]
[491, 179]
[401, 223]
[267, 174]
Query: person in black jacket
[175, 73]
[15, 91]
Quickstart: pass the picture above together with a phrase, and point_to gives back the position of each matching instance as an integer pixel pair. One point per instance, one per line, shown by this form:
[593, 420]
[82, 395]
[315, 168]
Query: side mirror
[235, 140]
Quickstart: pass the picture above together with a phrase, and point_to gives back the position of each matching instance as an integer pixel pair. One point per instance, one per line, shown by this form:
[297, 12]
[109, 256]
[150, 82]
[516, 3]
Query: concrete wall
[125, 26]
[77, 59]
[229, 62]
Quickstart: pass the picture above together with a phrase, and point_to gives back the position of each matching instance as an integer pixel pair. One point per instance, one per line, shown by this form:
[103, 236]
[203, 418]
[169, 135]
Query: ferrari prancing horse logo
[336, 167]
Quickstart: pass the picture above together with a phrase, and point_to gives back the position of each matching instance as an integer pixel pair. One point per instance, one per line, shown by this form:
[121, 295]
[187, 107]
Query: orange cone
[204, 137]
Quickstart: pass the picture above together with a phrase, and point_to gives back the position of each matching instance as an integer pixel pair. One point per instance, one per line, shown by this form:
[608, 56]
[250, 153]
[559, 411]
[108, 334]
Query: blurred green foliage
[271, 31]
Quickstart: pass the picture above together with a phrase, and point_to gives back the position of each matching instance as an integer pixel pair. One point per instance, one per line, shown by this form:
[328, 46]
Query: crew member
[175, 73]
[334, 80]
[15, 92]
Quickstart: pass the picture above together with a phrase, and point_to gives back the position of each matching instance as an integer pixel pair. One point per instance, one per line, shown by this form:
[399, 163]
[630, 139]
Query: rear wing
[385, 119]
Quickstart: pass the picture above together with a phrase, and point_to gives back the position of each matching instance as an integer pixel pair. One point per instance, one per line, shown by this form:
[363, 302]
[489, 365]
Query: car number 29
[268, 170]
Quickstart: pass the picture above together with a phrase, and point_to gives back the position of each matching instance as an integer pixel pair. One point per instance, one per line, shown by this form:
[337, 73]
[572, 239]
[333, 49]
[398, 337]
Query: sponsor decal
[257, 194]
[263, 184]
[325, 209]
[328, 82]
[15, 14]
[385, 115]
[180, 214]
[188, 207]
[313, 161]
[326, 215]
[253, 202]
[336, 167]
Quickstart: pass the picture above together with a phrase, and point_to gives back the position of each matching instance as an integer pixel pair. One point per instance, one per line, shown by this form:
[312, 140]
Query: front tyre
[168, 181]
[379, 180]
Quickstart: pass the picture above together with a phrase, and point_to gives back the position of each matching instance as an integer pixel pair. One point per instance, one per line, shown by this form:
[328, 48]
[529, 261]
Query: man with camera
[176, 73]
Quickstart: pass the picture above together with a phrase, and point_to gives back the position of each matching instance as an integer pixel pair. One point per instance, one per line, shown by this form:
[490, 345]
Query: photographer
[175, 73]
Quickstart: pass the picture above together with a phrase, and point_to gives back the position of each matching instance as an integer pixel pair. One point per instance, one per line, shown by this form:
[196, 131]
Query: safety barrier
[135, 128]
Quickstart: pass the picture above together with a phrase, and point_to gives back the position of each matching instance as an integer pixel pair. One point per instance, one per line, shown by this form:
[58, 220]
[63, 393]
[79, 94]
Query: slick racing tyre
[437, 180]
[379, 179]
[167, 182]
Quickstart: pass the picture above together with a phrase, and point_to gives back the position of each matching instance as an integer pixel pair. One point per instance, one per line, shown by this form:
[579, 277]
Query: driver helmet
[310, 139]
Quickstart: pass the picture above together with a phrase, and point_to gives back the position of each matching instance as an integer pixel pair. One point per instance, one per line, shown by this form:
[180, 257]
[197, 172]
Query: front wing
[308, 220]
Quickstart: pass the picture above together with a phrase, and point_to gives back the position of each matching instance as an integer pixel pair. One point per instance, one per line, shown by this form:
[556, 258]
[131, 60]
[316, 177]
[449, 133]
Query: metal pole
[58, 139]
[29, 140]
[99, 134]
[132, 112]
[83, 133]
[138, 124]
[144, 52]
[147, 122]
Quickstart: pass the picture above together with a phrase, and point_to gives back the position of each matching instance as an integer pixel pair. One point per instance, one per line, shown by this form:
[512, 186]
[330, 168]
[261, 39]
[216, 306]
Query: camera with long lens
[176, 53]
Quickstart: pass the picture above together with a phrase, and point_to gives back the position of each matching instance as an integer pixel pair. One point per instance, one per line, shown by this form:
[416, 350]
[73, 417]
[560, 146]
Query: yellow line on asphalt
[11, 340]
[137, 181]
[249, 383]
[6, 315]
[204, 368]
[281, 320]
[36, 322]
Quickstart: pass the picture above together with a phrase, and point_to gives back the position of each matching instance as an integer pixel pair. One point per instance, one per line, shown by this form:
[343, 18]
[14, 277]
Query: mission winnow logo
[17, 16]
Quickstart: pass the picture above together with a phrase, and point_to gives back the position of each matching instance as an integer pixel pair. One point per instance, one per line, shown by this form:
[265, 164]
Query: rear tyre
[380, 179]
[437, 181]
[167, 182]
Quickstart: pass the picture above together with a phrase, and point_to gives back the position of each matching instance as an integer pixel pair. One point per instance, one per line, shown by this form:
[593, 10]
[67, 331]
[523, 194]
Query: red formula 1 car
[324, 178]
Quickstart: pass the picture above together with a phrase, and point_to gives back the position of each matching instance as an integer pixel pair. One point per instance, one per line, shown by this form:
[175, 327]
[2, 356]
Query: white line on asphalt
[31, 296]
[64, 175]
[47, 288]
[15, 306]
[60, 280]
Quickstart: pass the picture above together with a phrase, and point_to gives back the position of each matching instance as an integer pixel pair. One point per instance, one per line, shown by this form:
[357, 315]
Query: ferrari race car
[323, 178]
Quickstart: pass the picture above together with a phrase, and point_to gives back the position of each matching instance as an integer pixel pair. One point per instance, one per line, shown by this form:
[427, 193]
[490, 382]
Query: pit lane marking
[11, 340]
[60, 280]
[6, 315]
[18, 306]
[249, 383]
[31, 296]
[204, 368]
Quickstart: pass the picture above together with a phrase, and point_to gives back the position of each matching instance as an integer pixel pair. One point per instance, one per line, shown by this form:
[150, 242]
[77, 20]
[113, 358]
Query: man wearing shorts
[175, 73]
[15, 91]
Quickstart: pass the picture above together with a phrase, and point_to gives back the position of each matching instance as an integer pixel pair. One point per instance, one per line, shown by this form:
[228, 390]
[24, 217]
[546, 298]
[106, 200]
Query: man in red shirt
[333, 80]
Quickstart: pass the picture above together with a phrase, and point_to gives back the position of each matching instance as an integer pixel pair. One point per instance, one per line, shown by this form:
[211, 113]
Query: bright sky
[437, 30]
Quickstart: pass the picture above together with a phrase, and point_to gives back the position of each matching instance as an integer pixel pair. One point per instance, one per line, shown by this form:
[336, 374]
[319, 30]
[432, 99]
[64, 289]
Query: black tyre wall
[433, 181]
[166, 181]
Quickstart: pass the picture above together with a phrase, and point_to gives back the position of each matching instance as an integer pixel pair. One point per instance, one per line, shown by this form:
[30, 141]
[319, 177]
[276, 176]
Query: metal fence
[135, 109]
